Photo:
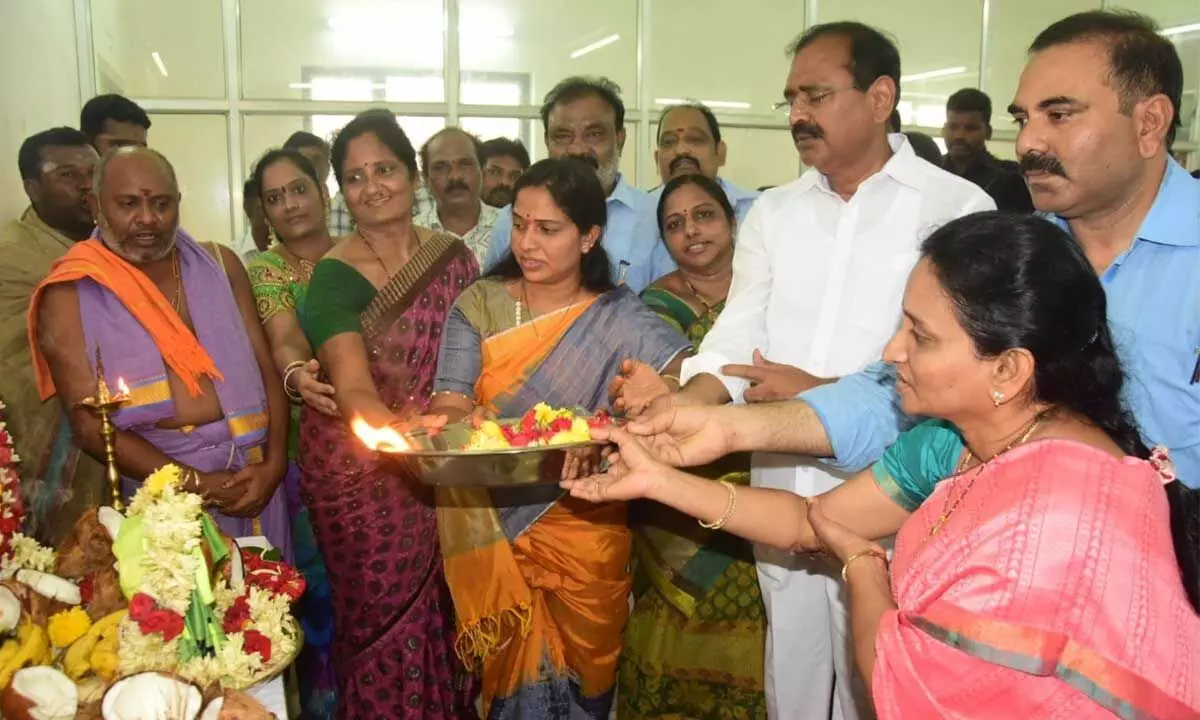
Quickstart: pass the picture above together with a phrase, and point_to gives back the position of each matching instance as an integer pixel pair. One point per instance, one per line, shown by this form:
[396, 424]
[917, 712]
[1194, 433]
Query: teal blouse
[911, 468]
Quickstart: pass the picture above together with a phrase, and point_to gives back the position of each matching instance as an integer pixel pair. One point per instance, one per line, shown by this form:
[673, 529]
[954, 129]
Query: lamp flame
[122, 388]
[385, 439]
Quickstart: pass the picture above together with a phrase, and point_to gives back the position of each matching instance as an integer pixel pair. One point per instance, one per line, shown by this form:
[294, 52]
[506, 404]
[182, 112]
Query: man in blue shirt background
[585, 118]
[689, 141]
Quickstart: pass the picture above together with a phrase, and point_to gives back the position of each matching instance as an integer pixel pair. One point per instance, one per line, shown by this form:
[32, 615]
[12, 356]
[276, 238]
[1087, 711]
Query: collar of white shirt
[902, 167]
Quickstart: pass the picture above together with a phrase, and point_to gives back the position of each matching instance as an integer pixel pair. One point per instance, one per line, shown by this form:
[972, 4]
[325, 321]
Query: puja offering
[528, 450]
[151, 615]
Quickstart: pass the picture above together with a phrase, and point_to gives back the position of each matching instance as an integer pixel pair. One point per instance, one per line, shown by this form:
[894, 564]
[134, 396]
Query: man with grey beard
[584, 117]
[177, 322]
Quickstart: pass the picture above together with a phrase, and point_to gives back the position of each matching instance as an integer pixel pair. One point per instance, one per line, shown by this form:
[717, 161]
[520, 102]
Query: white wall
[38, 81]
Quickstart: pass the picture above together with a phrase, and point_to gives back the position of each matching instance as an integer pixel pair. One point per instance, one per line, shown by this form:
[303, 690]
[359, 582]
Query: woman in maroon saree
[374, 315]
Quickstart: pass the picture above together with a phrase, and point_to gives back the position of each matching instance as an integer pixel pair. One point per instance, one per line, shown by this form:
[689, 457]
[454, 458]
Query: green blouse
[911, 468]
[337, 296]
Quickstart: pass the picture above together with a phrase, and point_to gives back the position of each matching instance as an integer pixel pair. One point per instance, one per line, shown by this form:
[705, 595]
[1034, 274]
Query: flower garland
[257, 634]
[17, 551]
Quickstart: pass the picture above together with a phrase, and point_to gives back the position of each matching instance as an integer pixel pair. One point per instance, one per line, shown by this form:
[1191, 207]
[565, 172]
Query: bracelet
[293, 395]
[862, 553]
[730, 506]
[674, 379]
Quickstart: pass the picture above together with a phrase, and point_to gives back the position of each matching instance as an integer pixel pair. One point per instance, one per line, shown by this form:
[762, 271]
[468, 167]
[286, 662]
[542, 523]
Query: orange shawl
[180, 349]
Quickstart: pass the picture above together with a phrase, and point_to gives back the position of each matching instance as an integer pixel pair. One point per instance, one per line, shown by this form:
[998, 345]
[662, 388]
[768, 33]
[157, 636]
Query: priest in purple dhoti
[175, 321]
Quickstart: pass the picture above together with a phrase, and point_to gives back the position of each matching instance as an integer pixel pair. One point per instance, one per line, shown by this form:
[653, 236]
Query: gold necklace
[533, 319]
[177, 301]
[692, 289]
[302, 269]
[952, 502]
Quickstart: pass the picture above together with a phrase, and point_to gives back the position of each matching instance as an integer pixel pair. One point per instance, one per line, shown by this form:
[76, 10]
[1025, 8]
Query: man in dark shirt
[966, 132]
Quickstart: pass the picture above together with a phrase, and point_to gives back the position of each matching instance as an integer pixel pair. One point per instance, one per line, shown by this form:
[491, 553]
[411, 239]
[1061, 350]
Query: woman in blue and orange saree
[541, 582]
[375, 314]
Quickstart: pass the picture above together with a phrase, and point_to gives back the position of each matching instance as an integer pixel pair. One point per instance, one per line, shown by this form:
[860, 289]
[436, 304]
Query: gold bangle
[862, 553]
[673, 378]
[730, 506]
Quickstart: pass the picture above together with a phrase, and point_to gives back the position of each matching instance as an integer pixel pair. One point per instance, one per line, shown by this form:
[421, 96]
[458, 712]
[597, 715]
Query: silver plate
[442, 462]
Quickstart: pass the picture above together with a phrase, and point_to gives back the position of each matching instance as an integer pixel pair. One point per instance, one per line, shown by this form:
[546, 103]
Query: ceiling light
[931, 74]
[1179, 30]
[602, 42]
[158, 61]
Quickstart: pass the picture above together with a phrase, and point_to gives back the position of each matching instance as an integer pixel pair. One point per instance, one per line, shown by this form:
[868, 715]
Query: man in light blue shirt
[585, 118]
[689, 141]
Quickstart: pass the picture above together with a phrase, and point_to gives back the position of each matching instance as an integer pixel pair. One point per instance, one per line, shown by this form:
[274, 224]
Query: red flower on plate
[256, 642]
[140, 607]
[237, 617]
[163, 622]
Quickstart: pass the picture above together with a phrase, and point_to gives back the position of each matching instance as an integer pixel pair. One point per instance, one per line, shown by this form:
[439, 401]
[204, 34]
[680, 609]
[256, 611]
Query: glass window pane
[487, 128]
[395, 46]
[150, 48]
[757, 157]
[198, 148]
[1180, 21]
[733, 61]
[538, 43]
[939, 49]
[1012, 26]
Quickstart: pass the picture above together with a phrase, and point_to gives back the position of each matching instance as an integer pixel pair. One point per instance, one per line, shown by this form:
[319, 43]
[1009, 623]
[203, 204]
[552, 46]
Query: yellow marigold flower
[161, 478]
[68, 626]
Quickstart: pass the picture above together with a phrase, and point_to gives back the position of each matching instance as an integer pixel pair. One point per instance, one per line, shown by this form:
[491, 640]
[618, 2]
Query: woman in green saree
[694, 642]
[294, 202]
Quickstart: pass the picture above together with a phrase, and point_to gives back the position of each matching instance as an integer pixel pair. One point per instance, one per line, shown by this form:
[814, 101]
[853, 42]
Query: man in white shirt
[818, 275]
[451, 166]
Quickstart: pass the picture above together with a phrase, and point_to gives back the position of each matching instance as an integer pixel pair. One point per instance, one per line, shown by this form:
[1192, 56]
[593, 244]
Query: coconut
[10, 610]
[111, 520]
[50, 586]
[39, 693]
[235, 705]
[151, 696]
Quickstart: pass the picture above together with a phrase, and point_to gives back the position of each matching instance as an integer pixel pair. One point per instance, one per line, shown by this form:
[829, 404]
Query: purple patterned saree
[393, 648]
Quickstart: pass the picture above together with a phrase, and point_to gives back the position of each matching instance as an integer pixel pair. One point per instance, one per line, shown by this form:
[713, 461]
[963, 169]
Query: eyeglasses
[810, 99]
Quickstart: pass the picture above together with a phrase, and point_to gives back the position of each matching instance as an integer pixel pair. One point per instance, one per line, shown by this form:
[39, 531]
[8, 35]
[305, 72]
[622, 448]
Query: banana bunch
[30, 647]
[96, 651]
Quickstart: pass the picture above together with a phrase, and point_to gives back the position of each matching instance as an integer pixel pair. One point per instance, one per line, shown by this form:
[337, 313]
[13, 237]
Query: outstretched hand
[636, 387]
[633, 472]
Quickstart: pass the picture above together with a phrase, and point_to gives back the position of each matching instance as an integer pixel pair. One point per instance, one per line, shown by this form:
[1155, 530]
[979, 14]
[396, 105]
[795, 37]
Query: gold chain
[703, 301]
[533, 318]
[953, 502]
[177, 301]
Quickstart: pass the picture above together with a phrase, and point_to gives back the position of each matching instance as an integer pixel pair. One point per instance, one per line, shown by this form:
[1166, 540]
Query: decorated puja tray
[530, 450]
[443, 460]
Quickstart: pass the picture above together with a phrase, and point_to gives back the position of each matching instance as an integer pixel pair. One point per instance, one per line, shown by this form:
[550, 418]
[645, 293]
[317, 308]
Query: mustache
[810, 129]
[1037, 162]
[592, 161]
[456, 185]
[681, 159]
[501, 194]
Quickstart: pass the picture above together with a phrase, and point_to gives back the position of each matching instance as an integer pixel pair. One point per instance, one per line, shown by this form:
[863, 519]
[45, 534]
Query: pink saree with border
[1051, 592]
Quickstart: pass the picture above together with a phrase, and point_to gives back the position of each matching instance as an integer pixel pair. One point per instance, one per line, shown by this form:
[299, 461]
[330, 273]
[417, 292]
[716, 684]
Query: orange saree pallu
[1052, 591]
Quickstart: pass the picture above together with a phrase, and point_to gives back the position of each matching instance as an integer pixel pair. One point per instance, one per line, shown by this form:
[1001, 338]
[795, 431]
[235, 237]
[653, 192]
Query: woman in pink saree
[1039, 579]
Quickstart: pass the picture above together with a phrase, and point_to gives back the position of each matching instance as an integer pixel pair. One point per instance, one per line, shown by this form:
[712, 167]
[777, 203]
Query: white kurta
[818, 284]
